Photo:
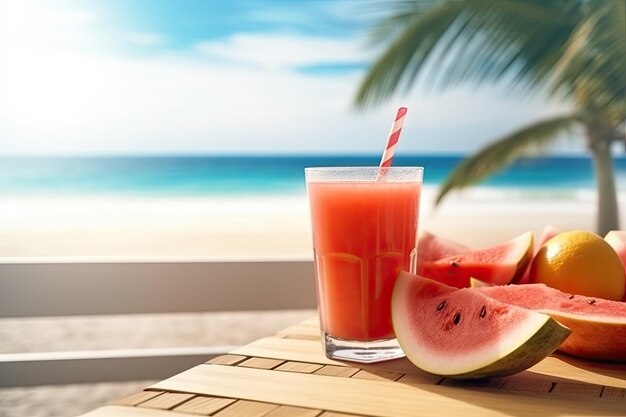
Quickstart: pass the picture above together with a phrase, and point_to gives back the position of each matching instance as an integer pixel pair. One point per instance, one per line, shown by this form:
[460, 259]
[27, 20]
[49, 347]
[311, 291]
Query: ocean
[164, 176]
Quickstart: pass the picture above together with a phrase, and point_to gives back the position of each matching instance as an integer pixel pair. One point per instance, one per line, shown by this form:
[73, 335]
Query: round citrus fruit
[580, 262]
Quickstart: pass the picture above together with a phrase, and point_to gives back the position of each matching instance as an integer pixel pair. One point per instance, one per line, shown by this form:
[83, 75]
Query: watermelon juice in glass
[364, 222]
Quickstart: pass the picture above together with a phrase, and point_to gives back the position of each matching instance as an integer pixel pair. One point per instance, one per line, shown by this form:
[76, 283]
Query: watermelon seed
[454, 264]
[457, 318]
[483, 312]
[591, 302]
[571, 297]
[441, 305]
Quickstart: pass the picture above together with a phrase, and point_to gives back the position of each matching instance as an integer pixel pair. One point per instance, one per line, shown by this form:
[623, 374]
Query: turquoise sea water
[253, 175]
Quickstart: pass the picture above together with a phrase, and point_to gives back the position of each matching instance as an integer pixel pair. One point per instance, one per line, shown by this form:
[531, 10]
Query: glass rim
[364, 174]
[365, 168]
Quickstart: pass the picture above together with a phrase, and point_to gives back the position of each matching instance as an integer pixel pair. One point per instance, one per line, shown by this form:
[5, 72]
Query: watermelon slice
[547, 233]
[461, 333]
[598, 326]
[433, 247]
[498, 264]
[617, 240]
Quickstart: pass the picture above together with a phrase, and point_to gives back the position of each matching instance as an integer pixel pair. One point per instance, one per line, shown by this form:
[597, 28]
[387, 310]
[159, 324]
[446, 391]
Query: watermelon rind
[524, 345]
[597, 335]
[542, 343]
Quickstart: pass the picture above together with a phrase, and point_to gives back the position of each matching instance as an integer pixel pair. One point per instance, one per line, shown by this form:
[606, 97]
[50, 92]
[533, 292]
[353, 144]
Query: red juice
[364, 233]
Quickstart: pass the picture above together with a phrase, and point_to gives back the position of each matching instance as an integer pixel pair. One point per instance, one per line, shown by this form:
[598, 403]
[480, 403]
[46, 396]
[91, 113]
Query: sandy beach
[258, 227]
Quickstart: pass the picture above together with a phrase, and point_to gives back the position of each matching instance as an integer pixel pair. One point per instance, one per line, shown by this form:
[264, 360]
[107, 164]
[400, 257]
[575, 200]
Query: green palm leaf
[409, 50]
[529, 141]
[592, 67]
[478, 40]
[571, 49]
[564, 46]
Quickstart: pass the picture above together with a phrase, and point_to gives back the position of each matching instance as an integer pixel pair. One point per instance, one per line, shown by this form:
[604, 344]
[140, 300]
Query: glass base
[362, 352]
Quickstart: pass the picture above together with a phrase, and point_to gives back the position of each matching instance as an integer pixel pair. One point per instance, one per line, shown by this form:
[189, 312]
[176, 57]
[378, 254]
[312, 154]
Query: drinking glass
[364, 222]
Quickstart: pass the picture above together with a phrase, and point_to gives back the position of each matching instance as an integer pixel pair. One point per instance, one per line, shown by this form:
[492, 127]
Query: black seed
[592, 302]
[483, 312]
[571, 297]
[457, 318]
[454, 264]
[441, 305]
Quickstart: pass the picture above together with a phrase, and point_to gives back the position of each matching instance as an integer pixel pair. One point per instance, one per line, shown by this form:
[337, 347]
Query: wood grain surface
[289, 375]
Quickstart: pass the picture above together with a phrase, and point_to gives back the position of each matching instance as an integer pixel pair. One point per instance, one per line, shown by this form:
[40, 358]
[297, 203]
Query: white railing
[39, 287]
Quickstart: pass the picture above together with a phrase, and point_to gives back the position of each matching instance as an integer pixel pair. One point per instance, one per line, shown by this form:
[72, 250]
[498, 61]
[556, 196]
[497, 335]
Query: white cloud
[93, 104]
[28, 15]
[281, 51]
[143, 38]
[31, 24]
[73, 100]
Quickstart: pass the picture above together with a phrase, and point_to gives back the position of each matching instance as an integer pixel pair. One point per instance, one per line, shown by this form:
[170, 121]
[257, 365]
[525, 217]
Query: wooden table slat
[379, 375]
[374, 398]
[424, 379]
[557, 366]
[125, 411]
[204, 405]
[302, 367]
[289, 375]
[289, 411]
[261, 363]
[310, 351]
[614, 393]
[138, 398]
[166, 400]
[228, 359]
[338, 371]
[589, 390]
[524, 382]
[494, 383]
[244, 408]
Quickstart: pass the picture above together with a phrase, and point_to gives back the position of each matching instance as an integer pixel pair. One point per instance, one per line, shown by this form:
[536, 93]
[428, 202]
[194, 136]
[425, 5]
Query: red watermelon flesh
[461, 333]
[617, 240]
[547, 233]
[432, 247]
[598, 326]
[498, 264]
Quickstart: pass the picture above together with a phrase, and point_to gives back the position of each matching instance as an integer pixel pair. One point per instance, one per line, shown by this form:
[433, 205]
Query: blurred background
[180, 130]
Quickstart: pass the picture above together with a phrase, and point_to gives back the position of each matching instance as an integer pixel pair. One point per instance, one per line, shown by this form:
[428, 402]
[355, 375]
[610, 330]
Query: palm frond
[531, 140]
[397, 15]
[499, 42]
[474, 40]
[537, 46]
[408, 51]
[593, 69]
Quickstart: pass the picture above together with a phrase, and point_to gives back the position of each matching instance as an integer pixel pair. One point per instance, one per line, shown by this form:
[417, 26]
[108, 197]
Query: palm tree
[568, 49]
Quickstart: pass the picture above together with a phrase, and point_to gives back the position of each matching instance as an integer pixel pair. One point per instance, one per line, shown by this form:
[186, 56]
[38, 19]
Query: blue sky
[204, 76]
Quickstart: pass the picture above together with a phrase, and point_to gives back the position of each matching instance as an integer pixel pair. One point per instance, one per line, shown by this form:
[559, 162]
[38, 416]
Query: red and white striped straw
[394, 136]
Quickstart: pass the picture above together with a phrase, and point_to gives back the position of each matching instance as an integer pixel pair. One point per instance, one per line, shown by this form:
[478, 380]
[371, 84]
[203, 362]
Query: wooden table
[287, 375]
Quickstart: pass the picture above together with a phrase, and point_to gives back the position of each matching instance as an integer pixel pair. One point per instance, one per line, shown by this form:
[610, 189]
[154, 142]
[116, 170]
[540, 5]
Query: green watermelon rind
[543, 343]
[593, 336]
[539, 337]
